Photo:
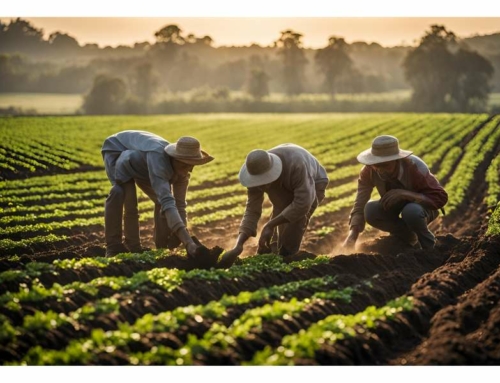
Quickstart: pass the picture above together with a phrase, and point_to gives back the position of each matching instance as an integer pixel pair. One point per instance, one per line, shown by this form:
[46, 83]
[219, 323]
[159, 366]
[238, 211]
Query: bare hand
[229, 257]
[191, 248]
[265, 237]
[351, 239]
[393, 197]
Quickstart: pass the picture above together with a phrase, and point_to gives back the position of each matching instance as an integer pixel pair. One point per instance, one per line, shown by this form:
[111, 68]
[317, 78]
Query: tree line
[443, 71]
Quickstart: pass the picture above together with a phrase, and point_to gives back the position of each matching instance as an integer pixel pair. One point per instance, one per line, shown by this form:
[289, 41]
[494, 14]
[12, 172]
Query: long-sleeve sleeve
[159, 177]
[253, 211]
[180, 188]
[365, 188]
[428, 185]
[304, 194]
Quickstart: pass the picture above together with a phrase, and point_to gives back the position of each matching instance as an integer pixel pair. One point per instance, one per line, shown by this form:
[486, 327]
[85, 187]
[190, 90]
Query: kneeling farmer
[162, 171]
[411, 195]
[295, 182]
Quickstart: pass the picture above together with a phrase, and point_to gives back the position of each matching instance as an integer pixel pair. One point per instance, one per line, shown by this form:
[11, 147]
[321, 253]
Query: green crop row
[168, 321]
[167, 279]
[493, 180]
[304, 344]
[475, 152]
[494, 222]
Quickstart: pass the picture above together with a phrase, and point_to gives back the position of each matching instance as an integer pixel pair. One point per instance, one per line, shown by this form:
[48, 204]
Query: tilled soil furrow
[150, 299]
[465, 333]
[433, 292]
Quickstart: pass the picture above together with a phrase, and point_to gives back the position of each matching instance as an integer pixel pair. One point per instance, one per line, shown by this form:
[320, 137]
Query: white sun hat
[260, 168]
[384, 149]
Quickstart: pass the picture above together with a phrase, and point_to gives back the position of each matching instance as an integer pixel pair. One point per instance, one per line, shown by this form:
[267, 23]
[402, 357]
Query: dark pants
[162, 235]
[409, 223]
[288, 236]
[122, 197]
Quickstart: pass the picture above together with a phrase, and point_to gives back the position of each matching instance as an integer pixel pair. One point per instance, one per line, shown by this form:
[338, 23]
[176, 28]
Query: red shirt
[414, 175]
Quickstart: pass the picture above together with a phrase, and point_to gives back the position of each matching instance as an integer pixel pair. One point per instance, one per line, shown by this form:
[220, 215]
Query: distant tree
[471, 89]
[170, 34]
[446, 76]
[191, 39]
[429, 69]
[166, 51]
[258, 84]
[107, 96]
[21, 36]
[333, 62]
[294, 61]
[145, 82]
[144, 46]
[91, 47]
[63, 42]
[207, 40]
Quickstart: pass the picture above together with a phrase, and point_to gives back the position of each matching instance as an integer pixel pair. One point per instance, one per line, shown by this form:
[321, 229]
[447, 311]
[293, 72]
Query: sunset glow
[388, 31]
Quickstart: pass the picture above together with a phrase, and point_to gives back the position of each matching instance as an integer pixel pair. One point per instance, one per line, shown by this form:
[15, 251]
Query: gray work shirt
[143, 159]
[302, 175]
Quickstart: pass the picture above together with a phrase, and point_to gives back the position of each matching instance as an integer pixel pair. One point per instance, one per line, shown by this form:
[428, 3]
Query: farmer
[295, 183]
[162, 171]
[411, 195]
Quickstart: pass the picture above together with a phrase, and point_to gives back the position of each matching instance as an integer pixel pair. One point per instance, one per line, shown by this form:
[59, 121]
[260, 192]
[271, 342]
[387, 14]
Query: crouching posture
[295, 183]
[162, 171]
[411, 195]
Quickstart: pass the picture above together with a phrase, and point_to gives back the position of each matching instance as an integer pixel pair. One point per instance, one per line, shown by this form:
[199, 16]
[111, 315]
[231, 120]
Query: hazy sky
[388, 22]
[263, 31]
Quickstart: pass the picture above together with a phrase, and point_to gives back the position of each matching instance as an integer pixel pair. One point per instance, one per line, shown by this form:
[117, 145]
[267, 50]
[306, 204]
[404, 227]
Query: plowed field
[63, 303]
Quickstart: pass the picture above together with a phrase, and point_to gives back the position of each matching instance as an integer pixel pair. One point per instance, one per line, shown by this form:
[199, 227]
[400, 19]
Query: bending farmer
[295, 183]
[162, 171]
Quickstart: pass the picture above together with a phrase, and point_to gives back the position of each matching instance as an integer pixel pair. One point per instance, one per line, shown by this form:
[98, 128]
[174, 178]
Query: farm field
[63, 303]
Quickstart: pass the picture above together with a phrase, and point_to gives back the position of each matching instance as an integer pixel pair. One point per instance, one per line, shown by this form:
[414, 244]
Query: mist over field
[183, 73]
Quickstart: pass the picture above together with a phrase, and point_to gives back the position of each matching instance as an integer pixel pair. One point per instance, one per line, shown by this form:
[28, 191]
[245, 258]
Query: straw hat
[260, 168]
[384, 149]
[188, 150]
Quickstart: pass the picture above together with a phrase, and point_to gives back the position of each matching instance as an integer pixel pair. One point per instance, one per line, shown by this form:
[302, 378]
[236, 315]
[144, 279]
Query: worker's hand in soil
[351, 239]
[395, 196]
[229, 257]
[265, 236]
[191, 248]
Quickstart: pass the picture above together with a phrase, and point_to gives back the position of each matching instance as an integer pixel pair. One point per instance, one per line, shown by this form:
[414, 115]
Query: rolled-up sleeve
[253, 211]
[365, 188]
[159, 176]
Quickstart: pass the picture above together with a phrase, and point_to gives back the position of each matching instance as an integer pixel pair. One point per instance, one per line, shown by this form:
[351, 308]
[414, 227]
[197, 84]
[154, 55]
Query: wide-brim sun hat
[188, 150]
[260, 168]
[384, 149]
